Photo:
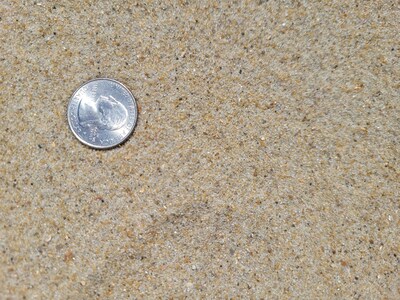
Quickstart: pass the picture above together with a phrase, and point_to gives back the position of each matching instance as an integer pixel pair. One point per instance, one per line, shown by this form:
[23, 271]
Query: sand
[265, 162]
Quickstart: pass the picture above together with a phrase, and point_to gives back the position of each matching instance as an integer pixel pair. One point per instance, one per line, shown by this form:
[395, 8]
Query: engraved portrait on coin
[102, 113]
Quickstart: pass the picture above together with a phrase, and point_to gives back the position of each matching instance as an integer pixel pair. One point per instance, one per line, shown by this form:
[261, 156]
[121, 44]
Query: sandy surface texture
[265, 162]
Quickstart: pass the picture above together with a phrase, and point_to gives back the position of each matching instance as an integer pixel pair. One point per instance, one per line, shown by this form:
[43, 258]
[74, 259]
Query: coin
[102, 113]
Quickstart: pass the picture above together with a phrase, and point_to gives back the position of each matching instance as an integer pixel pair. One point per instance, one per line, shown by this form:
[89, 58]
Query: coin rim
[88, 143]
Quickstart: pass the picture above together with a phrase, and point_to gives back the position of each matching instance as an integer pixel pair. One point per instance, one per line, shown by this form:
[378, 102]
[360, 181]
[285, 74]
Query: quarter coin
[102, 113]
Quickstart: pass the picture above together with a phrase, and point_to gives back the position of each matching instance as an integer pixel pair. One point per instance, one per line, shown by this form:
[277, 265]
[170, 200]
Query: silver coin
[102, 113]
